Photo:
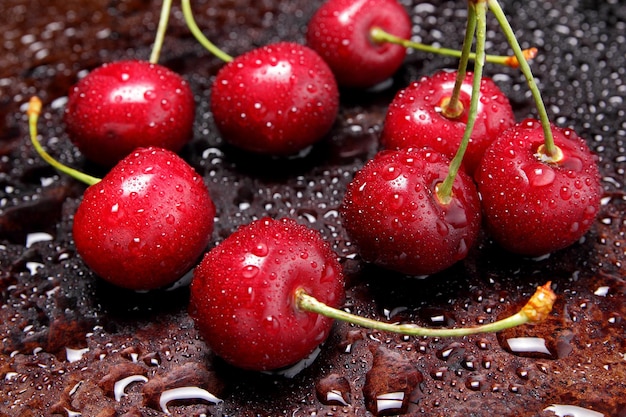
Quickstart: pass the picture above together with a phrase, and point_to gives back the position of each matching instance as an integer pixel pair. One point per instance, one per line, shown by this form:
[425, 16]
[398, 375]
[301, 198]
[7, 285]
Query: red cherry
[278, 99]
[146, 222]
[340, 32]
[243, 294]
[124, 105]
[415, 117]
[533, 207]
[392, 213]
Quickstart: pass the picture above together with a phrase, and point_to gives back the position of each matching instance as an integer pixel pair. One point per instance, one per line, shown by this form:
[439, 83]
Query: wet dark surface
[52, 306]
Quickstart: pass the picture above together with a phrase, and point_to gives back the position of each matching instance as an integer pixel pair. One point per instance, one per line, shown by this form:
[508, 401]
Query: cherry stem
[379, 35]
[479, 11]
[33, 112]
[161, 29]
[552, 152]
[535, 310]
[452, 107]
[197, 33]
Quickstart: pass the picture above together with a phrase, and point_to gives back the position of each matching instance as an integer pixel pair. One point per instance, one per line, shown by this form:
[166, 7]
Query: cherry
[146, 222]
[418, 117]
[123, 105]
[266, 296]
[340, 32]
[534, 206]
[277, 99]
[243, 294]
[393, 213]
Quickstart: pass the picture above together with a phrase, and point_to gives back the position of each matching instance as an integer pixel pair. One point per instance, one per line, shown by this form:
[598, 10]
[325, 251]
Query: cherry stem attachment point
[535, 310]
[161, 29]
[33, 112]
[379, 35]
[197, 33]
[453, 107]
[552, 153]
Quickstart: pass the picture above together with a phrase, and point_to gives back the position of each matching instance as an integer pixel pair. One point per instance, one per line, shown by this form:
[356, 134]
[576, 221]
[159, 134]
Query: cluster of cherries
[452, 158]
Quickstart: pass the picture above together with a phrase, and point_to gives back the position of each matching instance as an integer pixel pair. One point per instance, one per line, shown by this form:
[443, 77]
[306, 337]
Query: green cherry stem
[161, 29]
[551, 152]
[379, 35]
[478, 10]
[535, 310]
[197, 33]
[453, 108]
[33, 112]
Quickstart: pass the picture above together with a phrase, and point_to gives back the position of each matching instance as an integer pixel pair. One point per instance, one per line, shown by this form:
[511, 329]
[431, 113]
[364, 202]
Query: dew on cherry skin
[271, 324]
[539, 175]
[565, 193]
[250, 271]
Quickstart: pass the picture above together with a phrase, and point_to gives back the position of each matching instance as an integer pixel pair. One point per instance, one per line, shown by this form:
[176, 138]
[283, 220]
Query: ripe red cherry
[278, 99]
[146, 222]
[533, 207]
[392, 212]
[124, 105]
[340, 32]
[416, 118]
[243, 294]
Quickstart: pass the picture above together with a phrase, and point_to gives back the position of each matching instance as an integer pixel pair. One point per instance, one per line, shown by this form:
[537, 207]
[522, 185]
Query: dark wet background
[50, 302]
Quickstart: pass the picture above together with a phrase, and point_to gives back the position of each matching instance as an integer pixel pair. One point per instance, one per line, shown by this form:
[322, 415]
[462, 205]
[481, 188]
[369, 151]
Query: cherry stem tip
[33, 112]
[535, 310]
[379, 35]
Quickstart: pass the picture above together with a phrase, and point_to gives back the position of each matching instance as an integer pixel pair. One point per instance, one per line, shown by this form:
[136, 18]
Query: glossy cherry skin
[340, 32]
[243, 294]
[391, 212]
[415, 119]
[532, 207]
[277, 100]
[146, 223]
[123, 105]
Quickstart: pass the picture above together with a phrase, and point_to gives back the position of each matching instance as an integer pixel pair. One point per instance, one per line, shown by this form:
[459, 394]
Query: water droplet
[453, 349]
[539, 175]
[565, 193]
[333, 390]
[389, 403]
[527, 346]
[474, 382]
[250, 271]
[562, 410]
[271, 325]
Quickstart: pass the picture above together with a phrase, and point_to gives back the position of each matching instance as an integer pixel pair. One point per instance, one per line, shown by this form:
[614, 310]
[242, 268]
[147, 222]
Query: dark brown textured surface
[50, 302]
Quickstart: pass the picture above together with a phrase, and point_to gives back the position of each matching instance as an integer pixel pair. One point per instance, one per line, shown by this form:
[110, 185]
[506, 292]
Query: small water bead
[390, 403]
[539, 175]
[272, 325]
[562, 410]
[474, 382]
[527, 346]
[452, 350]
